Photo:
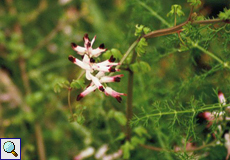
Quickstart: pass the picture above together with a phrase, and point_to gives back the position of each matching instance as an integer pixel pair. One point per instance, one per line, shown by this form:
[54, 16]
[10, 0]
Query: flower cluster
[90, 66]
[99, 154]
[211, 117]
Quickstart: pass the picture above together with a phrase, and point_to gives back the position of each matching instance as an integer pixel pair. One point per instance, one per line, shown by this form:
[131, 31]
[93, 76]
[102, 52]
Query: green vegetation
[174, 64]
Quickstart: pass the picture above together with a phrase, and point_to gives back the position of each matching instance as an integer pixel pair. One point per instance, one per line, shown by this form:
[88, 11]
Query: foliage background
[35, 42]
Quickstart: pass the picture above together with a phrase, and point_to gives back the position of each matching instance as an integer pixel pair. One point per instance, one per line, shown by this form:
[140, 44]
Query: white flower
[85, 153]
[101, 151]
[221, 98]
[88, 48]
[89, 65]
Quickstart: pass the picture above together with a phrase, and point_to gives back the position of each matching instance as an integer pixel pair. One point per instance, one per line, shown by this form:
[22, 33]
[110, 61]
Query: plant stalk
[129, 108]
[40, 141]
[171, 30]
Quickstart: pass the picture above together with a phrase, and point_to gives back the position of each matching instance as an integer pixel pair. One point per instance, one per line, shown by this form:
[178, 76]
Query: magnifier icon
[9, 147]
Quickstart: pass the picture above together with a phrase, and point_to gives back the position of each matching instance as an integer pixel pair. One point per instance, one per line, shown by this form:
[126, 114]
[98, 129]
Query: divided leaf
[77, 84]
[127, 147]
[225, 15]
[141, 46]
[141, 29]
[194, 2]
[112, 52]
[140, 67]
[176, 9]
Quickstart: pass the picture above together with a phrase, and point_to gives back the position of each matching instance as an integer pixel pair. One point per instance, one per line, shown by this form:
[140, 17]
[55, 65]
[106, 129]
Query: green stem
[162, 144]
[128, 52]
[208, 53]
[171, 30]
[129, 108]
[154, 13]
[202, 108]
[175, 19]
[40, 141]
[189, 150]
[69, 103]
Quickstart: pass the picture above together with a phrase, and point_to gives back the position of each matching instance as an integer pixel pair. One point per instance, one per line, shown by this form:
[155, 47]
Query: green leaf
[141, 46]
[217, 152]
[121, 136]
[146, 30]
[140, 131]
[127, 147]
[111, 114]
[141, 29]
[135, 141]
[77, 84]
[175, 9]
[140, 67]
[225, 15]
[34, 98]
[59, 85]
[57, 88]
[194, 2]
[138, 30]
[80, 119]
[120, 117]
[183, 48]
[115, 52]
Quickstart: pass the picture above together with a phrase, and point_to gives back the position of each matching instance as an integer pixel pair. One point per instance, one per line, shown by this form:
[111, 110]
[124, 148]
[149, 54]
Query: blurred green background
[35, 38]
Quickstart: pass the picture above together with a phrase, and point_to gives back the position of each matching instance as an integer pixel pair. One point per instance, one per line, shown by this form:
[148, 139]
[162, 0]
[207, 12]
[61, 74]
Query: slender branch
[201, 147]
[128, 52]
[40, 141]
[152, 148]
[25, 79]
[188, 150]
[201, 108]
[81, 74]
[154, 13]
[190, 14]
[129, 108]
[175, 19]
[69, 103]
[208, 53]
[171, 30]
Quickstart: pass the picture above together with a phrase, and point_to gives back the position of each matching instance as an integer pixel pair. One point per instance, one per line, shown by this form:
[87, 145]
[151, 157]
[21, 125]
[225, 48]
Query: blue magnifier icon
[9, 147]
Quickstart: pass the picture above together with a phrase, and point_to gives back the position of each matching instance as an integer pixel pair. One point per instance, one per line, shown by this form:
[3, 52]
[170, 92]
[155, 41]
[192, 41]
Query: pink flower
[111, 92]
[219, 116]
[88, 64]
[87, 49]
[221, 98]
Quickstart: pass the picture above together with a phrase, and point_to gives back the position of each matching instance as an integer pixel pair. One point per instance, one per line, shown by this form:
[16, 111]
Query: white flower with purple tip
[88, 64]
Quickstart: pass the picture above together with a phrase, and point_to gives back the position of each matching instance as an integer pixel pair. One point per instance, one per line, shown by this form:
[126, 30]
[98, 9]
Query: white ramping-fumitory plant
[99, 69]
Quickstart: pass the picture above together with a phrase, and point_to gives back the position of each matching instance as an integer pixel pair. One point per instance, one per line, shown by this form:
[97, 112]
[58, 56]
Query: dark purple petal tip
[79, 97]
[112, 59]
[73, 45]
[88, 44]
[117, 79]
[92, 60]
[102, 46]
[119, 99]
[86, 35]
[71, 58]
[111, 69]
[101, 88]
